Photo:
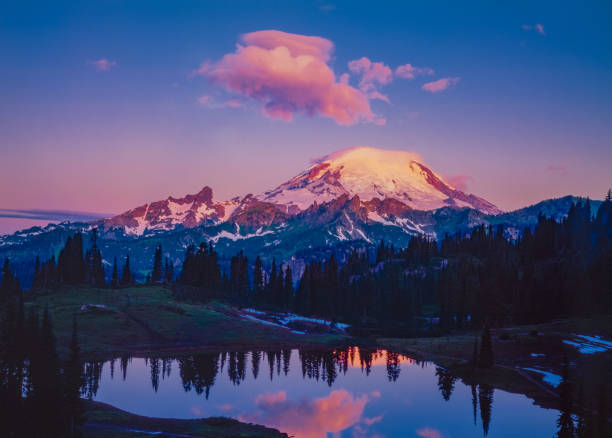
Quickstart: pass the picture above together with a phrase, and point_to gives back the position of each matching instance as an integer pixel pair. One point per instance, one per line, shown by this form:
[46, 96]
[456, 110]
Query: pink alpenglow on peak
[440, 85]
[393, 180]
[370, 173]
[289, 74]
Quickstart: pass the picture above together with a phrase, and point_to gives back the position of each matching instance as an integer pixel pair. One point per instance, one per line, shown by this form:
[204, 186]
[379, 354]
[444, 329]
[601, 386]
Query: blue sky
[529, 118]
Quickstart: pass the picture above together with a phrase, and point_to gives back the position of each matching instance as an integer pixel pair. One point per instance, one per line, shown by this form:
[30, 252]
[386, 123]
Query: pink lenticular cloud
[297, 45]
[440, 85]
[289, 74]
[408, 71]
[103, 64]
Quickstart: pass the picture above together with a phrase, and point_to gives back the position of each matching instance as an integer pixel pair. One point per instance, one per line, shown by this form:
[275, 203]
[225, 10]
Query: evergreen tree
[475, 358]
[156, 274]
[46, 383]
[474, 401]
[485, 399]
[565, 423]
[9, 284]
[446, 383]
[258, 278]
[169, 271]
[114, 277]
[93, 258]
[287, 288]
[126, 275]
[486, 349]
[73, 381]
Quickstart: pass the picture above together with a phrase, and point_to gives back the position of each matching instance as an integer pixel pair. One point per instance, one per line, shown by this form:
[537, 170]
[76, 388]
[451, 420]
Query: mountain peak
[371, 156]
[371, 173]
[388, 181]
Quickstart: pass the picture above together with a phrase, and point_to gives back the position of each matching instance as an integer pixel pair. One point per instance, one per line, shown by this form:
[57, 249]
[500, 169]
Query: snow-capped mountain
[372, 173]
[261, 229]
[190, 211]
[385, 182]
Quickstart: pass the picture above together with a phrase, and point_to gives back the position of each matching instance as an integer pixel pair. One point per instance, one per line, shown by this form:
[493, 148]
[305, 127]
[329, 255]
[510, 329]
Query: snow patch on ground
[375, 217]
[257, 312]
[589, 344]
[548, 377]
[284, 319]
[262, 321]
[237, 236]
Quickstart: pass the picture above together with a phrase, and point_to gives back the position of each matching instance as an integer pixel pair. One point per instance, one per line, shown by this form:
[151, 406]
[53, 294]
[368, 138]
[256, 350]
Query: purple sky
[108, 106]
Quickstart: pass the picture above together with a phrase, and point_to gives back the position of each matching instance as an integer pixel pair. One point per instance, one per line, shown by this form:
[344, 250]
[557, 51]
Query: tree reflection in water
[198, 372]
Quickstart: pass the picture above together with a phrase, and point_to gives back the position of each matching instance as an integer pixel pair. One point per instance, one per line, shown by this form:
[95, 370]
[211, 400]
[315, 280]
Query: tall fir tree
[115, 275]
[126, 274]
[156, 273]
[73, 380]
[565, 422]
[485, 359]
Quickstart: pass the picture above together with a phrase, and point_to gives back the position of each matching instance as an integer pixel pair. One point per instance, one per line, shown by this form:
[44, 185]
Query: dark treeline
[581, 417]
[558, 269]
[199, 372]
[202, 278]
[40, 394]
[73, 266]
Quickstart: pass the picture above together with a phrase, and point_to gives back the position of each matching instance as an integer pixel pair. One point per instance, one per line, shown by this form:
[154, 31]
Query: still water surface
[318, 394]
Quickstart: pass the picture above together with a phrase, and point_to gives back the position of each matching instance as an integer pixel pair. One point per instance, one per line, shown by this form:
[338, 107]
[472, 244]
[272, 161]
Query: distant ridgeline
[557, 269]
[334, 228]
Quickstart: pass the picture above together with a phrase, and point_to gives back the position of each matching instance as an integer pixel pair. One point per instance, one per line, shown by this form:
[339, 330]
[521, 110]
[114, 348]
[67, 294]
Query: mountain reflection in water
[353, 392]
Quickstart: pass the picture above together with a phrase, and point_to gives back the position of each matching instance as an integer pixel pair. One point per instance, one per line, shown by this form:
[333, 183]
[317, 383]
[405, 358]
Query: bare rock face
[388, 206]
[253, 213]
[189, 211]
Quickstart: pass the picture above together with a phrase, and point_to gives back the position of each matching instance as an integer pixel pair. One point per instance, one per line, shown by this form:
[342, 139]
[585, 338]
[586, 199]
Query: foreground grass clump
[102, 420]
[146, 318]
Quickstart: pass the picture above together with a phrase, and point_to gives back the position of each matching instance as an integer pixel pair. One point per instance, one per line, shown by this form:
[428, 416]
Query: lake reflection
[350, 392]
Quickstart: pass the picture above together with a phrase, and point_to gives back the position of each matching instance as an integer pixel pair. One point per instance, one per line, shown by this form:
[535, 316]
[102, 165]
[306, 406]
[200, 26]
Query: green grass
[147, 318]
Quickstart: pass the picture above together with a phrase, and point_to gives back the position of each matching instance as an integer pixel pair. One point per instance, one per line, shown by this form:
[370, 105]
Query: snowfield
[284, 319]
[589, 344]
[548, 377]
